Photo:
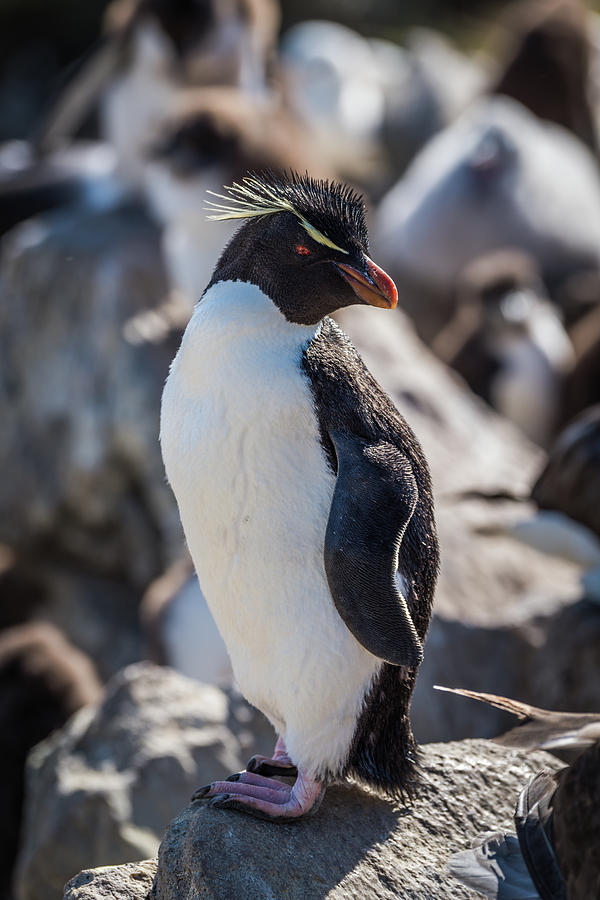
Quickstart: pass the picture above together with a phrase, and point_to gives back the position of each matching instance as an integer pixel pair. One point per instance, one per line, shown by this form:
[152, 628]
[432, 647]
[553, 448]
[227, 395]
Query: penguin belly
[241, 447]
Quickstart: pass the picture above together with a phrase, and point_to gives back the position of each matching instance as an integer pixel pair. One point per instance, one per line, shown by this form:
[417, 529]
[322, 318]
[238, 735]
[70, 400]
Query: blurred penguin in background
[218, 135]
[582, 387]
[151, 50]
[507, 341]
[371, 104]
[546, 59]
[331, 83]
[567, 494]
[496, 178]
[179, 629]
[566, 522]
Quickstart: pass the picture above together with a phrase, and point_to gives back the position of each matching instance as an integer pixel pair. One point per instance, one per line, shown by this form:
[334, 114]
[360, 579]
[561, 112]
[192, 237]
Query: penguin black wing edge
[374, 499]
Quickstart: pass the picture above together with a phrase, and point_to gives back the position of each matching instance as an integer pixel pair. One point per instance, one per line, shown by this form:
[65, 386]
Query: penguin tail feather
[522, 710]
[384, 753]
[398, 778]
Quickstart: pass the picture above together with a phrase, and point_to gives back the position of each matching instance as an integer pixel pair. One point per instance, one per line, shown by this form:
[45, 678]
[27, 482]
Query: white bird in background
[331, 82]
[567, 496]
[152, 50]
[496, 178]
[508, 342]
[364, 98]
[218, 135]
[179, 629]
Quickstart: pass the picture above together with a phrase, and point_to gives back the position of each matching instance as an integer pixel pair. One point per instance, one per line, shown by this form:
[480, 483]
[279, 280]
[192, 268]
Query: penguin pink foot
[265, 798]
[278, 764]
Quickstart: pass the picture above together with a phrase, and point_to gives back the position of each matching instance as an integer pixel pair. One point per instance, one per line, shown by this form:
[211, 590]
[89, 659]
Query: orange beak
[374, 287]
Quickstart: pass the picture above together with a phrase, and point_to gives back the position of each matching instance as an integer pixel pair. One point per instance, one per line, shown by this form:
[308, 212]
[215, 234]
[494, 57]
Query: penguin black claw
[270, 769]
[200, 793]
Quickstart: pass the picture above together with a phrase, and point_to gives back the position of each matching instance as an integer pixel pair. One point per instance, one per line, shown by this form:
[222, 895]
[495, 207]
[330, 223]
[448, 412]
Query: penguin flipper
[374, 499]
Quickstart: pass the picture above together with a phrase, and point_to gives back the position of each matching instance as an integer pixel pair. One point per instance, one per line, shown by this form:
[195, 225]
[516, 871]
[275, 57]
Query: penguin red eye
[301, 250]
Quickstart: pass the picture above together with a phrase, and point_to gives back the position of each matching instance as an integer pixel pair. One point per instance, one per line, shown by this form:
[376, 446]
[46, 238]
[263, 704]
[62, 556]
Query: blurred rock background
[471, 127]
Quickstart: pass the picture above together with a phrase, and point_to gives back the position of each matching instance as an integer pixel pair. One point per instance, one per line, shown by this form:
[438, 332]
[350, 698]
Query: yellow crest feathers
[254, 197]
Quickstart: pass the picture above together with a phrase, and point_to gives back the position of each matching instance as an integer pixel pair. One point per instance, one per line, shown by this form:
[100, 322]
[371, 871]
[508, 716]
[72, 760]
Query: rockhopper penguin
[305, 497]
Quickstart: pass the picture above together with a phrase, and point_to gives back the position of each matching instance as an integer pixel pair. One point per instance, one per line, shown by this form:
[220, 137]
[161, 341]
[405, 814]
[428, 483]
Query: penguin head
[197, 42]
[305, 245]
[493, 156]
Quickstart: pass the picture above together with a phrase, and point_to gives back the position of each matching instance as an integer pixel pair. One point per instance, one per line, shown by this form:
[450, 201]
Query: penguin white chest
[241, 447]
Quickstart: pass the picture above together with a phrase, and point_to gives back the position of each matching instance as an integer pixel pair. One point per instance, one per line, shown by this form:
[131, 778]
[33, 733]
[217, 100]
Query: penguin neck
[236, 328]
[238, 319]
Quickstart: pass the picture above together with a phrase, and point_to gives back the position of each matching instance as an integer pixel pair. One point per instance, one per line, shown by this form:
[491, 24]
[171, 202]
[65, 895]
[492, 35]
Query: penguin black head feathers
[305, 245]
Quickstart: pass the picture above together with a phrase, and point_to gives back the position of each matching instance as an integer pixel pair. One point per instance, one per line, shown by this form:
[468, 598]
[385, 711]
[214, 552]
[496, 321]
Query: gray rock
[85, 354]
[358, 844]
[101, 790]
[132, 881]
[548, 660]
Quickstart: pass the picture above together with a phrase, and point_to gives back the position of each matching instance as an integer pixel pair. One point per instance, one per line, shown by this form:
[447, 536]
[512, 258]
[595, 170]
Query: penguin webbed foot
[265, 798]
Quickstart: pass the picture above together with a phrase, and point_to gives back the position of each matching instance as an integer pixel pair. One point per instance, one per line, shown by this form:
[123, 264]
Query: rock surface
[80, 393]
[126, 882]
[550, 661]
[358, 844]
[102, 789]
[44, 680]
